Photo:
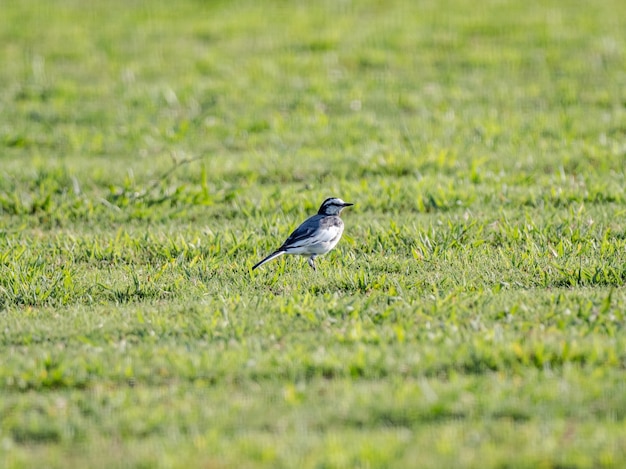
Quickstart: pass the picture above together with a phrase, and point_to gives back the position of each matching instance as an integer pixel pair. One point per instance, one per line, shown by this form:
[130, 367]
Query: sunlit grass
[472, 315]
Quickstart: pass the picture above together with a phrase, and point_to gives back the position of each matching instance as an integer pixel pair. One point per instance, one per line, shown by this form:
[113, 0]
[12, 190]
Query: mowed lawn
[472, 316]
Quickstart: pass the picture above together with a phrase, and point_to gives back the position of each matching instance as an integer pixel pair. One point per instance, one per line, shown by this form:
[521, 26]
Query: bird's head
[332, 206]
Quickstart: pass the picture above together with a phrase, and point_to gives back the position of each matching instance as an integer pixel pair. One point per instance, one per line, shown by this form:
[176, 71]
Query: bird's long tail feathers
[273, 255]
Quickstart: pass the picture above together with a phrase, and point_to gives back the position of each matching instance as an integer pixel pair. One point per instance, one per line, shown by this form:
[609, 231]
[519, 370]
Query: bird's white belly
[324, 247]
[319, 244]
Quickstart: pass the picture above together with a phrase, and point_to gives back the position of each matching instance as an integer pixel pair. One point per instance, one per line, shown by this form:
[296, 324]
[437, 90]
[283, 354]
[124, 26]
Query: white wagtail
[316, 235]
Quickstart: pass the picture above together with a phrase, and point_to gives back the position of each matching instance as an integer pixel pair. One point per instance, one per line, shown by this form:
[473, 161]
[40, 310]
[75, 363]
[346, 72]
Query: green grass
[472, 316]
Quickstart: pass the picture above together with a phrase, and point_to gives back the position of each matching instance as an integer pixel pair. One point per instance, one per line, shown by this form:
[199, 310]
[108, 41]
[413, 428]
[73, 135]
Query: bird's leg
[312, 262]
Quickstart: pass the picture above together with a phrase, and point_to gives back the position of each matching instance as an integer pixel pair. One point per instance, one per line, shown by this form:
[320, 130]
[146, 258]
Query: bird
[317, 235]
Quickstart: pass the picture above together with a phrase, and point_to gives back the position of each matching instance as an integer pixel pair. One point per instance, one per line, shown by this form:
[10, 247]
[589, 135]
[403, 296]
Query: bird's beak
[346, 204]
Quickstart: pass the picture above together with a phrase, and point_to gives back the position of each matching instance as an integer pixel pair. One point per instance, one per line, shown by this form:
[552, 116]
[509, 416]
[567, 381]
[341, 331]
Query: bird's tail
[273, 255]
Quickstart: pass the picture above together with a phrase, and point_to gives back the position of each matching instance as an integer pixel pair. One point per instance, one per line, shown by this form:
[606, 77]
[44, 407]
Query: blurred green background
[472, 315]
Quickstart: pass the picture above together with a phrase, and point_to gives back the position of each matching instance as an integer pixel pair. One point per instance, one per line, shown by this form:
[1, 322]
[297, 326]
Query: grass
[473, 314]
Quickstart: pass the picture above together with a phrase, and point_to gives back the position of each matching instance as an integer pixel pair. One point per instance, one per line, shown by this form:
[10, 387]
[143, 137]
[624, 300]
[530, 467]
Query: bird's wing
[301, 234]
[306, 234]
